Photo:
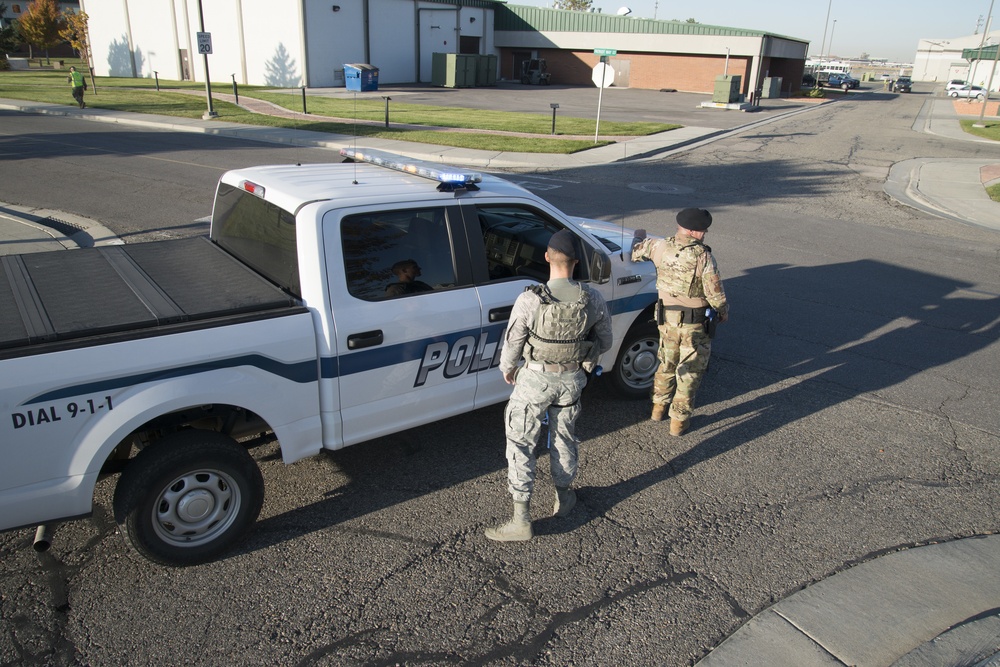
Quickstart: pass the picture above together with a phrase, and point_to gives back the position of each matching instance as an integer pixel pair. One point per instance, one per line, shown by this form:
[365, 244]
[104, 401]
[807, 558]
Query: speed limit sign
[205, 43]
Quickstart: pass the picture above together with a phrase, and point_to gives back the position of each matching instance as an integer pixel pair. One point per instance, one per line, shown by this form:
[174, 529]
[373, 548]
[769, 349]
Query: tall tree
[8, 38]
[40, 24]
[74, 31]
[577, 5]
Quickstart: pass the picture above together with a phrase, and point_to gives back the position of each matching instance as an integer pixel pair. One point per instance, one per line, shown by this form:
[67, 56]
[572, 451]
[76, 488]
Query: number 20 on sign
[205, 43]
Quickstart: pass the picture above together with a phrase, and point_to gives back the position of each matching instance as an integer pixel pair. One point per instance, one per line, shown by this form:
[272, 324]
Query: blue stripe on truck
[306, 371]
[301, 371]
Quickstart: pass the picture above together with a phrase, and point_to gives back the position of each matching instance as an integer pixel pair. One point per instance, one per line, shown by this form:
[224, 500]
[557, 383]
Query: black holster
[710, 327]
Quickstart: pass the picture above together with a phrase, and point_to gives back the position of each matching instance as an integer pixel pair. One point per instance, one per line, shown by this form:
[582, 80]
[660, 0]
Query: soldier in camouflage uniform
[560, 329]
[688, 283]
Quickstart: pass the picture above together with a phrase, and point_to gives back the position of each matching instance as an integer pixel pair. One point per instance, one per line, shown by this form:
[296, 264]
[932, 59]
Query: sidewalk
[948, 188]
[930, 605]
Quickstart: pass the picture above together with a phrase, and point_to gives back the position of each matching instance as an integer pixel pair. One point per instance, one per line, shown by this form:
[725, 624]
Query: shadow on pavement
[843, 330]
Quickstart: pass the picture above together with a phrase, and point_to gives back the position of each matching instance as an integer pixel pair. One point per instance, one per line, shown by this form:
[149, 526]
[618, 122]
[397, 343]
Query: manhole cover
[661, 188]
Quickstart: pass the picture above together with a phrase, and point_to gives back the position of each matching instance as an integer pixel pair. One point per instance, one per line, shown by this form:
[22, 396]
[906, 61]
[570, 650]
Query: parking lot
[618, 104]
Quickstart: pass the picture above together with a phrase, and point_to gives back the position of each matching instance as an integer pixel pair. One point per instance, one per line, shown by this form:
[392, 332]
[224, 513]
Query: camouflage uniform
[537, 391]
[688, 281]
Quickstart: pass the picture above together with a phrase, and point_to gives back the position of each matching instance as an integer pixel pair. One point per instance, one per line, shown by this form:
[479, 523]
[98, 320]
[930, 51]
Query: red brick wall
[647, 70]
[684, 72]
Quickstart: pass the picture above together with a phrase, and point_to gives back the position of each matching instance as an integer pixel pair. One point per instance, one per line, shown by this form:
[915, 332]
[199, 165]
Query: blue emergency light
[447, 177]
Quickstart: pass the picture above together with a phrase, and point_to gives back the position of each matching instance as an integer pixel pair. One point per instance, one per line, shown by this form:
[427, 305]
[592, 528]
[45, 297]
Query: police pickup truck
[330, 305]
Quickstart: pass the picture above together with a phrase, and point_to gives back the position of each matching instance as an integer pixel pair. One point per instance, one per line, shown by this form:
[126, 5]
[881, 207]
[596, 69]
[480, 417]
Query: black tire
[188, 498]
[525, 80]
[637, 360]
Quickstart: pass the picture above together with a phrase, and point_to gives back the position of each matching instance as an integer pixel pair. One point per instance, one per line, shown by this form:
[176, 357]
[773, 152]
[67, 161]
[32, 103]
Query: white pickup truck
[161, 361]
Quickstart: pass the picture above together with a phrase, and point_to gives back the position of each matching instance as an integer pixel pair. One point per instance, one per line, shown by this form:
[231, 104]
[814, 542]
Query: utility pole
[989, 84]
[989, 20]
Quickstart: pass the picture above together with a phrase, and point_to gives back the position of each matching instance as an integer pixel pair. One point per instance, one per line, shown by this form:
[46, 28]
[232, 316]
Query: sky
[881, 28]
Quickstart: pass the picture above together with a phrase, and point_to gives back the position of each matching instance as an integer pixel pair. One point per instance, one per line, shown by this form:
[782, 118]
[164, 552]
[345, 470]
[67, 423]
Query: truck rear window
[259, 234]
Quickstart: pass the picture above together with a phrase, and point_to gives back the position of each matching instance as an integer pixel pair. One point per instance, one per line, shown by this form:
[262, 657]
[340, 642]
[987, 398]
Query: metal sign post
[603, 76]
[205, 48]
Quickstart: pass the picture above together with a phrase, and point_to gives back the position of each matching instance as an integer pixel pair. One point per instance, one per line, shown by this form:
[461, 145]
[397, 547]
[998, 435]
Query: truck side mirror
[599, 266]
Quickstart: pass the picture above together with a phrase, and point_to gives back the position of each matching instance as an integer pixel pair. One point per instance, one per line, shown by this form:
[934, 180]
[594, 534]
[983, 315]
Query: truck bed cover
[65, 295]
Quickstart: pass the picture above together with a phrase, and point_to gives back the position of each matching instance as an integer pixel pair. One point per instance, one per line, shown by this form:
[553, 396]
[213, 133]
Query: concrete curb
[946, 188]
[878, 612]
[36, 229]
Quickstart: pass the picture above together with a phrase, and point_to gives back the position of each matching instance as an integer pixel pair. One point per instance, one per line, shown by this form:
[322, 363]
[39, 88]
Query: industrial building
[308, 43]
[970, 58]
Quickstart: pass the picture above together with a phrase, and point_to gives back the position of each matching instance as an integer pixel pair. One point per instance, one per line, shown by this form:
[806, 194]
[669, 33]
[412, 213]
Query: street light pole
[822, 45]
[830, 45]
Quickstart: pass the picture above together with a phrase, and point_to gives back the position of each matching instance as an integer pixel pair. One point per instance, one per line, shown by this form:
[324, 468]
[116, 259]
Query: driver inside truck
[406, 271]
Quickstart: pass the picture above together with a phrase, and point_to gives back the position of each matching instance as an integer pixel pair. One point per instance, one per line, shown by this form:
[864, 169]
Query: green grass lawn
[141, 96]
[994, 192]
[991, 131]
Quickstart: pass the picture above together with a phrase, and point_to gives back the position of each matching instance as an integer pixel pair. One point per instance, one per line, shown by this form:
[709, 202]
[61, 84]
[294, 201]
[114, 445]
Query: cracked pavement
[850, 412]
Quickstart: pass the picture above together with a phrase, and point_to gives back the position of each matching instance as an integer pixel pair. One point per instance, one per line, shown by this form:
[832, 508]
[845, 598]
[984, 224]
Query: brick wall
[647, 70]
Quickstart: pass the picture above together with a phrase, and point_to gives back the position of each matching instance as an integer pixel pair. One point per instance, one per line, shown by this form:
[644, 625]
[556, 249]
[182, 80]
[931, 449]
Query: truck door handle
[500, 314]
[366, 339]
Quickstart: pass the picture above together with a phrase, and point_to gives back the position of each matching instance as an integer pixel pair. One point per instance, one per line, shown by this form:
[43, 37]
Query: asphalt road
[850, 410]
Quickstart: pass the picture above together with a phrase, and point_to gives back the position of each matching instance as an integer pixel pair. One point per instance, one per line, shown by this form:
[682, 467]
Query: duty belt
[552, 368]
[688, 315]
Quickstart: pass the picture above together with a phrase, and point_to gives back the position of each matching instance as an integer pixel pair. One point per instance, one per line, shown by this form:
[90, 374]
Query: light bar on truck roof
[447, 176]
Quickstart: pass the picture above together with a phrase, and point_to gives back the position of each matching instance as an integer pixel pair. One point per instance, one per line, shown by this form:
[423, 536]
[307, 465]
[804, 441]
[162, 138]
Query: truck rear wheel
[188, 498]
[637, 361]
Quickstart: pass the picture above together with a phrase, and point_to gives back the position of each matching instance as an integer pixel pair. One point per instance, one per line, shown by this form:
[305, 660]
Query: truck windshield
[259, 234]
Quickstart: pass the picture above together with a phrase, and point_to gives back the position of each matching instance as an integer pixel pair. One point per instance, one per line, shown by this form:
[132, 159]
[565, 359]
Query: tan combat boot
[677, 426]
[659, 411]
[565, 501]
[518, 529]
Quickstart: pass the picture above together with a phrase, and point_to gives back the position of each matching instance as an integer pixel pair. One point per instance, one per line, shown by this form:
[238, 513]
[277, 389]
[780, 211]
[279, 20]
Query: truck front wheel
[188, 498]
[637, 361]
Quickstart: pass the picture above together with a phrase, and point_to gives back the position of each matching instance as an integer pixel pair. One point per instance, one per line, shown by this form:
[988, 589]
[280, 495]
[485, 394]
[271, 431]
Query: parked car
[808, 80]
[901, 85]
[970, 92]
[840, 80]
[953, 84]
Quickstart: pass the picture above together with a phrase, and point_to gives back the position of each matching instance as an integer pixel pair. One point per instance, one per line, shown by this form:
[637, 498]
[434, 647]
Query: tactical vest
[679, 270]
[559, 335]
